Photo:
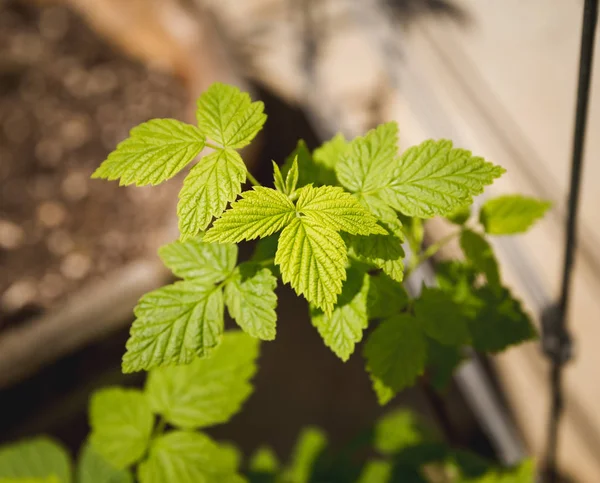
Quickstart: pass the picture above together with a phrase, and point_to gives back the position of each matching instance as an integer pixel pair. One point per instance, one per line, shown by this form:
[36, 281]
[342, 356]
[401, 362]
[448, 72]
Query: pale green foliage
[264, 460]
[93, 468]
[278, 181]
[187, 457]
[207, 391]
[174, 324]
[39, 459]
[259, 213]
[507, 215]
[480, 254]
[251, 300]
[344, 328]
[434, 178]
[195, 259]
[334, 208]
[396, 352]
[291, 179]
[441, 317]
[397, 430]
[121, 422]
[460, 215]
[522, 473]
[207, 189]
[310, 170]
[228, 116]
[310, 445]
[376, 471]
[312, 259]
[329, 154]
[154, 152]
[49, 479]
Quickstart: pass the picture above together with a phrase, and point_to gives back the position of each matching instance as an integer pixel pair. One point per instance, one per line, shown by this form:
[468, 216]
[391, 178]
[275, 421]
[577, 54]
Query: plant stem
[160, 426]
[212, 146]
[429, 252]
[440, 411]
[252, 179]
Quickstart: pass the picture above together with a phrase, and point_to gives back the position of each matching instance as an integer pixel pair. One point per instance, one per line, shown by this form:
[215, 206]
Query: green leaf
[259, 213]
[49, 479]
[376, 471]
[386, 297]
[442, 361]
[264, 460]
[194, 259]
[328, 155]
[507, 215]
[331, 206]
[291, 180]
[481, 255]
[174, 325]
[93, 468]
[344, 328]
[434, 178]
[500, 323]
[206, 391]
[121, 422]
[397, 430]
[441, 317]
[228, 116]
[38, 458]
[396, 352]
[278, 179]
[309, 171]
[367, 165]
[522, 473]
[186, 457]
[460, 215]
[384, 393]
[209, 186]
[251, 300]
[312, 259]
[154, 152]
[310, 445]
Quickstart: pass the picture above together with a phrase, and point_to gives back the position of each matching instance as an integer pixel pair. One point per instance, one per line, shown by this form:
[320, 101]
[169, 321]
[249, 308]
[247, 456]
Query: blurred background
[498, 78]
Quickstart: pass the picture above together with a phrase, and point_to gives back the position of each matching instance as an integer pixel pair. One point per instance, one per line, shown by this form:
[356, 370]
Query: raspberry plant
[334, 227]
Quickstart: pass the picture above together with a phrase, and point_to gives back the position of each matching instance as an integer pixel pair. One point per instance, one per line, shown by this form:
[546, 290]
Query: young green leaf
[481, 255]
[121, 422]
[367, 165]
[309, 171]
[500, 323]
[187, 457]
[384, 393]
[344, 328]
[207, 263]
[228, 116]
[251, 300]
[441, 317]
[386, 297]
[312, 259]
[396, 352]
[206, 391]
[174, 325]
[278, 179]
[207, 189]
[434, 178]
[49, 479]
[460, 215]
[39, 458]
[264, 460]
[154, 152]
[332, 207]
[397, 430]
[511, 214]
[376, 471]
[291, 179]
[93, 468]
[259, 213]
[310, 445]
[329, 154]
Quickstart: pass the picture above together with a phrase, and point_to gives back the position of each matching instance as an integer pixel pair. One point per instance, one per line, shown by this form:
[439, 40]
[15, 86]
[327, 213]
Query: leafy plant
[334, 226]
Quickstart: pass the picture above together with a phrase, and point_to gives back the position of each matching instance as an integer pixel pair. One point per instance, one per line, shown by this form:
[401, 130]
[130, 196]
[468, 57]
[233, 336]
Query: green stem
[429, 252]
[212, 146]
[252, 179]
[160, 426]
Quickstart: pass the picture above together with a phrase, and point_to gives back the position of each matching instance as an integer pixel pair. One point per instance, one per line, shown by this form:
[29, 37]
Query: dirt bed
[66, 99]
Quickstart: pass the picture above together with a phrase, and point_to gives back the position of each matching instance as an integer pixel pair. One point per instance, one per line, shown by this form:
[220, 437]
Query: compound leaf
[440, 317]
[93, 468]
[312, 259]
[344, 328]
[228, 116]
[259, 213]
[154, 152]
[396, 352]
[187, 457]
[507, 215]
[434, 178]
[39, 458]
[209, 186]
[207, 391]
[332, 207]
[121, 422]
[194, 259]
[174, 324]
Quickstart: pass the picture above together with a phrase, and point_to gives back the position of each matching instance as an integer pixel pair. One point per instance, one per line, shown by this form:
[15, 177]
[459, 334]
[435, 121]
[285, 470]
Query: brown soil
[66, 99]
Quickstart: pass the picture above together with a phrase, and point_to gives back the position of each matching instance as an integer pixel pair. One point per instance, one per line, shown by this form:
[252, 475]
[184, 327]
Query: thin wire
[557, 344]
